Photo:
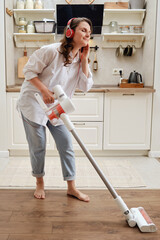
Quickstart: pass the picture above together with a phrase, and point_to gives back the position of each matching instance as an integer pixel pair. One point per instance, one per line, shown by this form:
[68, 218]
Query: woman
[67, 65]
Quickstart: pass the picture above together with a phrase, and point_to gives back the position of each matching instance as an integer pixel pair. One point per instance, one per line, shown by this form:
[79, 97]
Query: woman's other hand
[47, 96]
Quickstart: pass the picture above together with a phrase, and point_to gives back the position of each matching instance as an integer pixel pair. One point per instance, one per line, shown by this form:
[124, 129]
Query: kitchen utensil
[119, 51]
[128, 51]
[21, 63]
[116, 5]
[95, 62]
[135, 77]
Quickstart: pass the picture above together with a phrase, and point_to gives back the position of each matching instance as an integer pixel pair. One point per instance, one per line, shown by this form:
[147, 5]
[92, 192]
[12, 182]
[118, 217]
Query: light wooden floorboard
[22, 217]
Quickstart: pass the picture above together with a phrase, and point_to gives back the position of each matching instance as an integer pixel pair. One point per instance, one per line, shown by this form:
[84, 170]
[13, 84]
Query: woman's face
[82, 34]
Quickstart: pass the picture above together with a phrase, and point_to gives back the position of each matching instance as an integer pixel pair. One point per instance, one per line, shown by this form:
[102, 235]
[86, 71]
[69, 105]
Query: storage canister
[124, 29]
[22, 21]
[38, 4]
[113, 27]
[20, 4]
[138, 29]
[22, 29]
[29, 4]
[30, 27]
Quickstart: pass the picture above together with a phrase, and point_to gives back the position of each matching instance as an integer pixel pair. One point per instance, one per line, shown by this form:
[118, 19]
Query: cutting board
[21, 63]
[116, 5]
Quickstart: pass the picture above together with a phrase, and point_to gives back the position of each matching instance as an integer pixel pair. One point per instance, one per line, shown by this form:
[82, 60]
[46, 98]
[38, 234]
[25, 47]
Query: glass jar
[20, 4]
[29, 4]
[22, 21]
[22, 29]
[124, 29]
[113, 27]
[38, 4]
[30, 27]
[138, 29]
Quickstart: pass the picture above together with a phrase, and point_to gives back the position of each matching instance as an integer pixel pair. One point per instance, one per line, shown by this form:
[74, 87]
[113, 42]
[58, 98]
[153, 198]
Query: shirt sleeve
[85, 83]
[38, 61]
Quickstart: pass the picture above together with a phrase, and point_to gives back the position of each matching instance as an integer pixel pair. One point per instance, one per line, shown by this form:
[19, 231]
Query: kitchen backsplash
[142, 61]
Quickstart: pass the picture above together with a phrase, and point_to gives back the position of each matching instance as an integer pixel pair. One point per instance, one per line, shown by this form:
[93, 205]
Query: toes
[39, 196]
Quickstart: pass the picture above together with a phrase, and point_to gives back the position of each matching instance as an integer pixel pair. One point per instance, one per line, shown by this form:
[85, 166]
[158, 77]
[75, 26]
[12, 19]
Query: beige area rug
[121, 174]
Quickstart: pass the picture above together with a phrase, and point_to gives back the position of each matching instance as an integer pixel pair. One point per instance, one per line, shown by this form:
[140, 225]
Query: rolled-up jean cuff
[38, 175]
[69, 178]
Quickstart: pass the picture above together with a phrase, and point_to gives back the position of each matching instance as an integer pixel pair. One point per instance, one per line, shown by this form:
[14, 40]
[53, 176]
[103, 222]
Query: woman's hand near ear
[84, 55]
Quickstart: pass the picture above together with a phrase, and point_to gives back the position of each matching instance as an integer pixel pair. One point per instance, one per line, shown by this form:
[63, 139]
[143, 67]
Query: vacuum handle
[71, 128]
[40, 101]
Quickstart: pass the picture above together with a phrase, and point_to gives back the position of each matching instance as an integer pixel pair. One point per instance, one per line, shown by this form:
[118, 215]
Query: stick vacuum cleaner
[61, 109]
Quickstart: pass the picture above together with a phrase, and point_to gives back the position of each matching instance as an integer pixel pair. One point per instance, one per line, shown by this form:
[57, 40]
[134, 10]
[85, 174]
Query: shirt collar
[76, 59]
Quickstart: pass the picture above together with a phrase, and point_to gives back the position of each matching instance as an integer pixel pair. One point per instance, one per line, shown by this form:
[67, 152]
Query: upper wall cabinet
[33, 14]
[33, 39]
[124, 16]
[130, 17]
[113, 40]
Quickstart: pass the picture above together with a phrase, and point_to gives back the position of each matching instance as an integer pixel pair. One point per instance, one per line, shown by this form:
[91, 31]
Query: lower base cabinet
[16, 134]
[110, 121]
[127, 121]
[88, 122]
[90, 133]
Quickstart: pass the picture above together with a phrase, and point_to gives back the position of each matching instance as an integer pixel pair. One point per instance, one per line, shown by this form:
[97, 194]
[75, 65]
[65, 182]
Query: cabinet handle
[81, 124]
[79, 94]
[128, 94]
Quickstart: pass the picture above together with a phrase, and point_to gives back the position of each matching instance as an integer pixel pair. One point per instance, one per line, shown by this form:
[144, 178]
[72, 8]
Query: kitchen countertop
[101, 88]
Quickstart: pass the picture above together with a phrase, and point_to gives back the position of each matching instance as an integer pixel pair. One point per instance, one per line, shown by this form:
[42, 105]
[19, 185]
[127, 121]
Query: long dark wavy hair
[67, 43]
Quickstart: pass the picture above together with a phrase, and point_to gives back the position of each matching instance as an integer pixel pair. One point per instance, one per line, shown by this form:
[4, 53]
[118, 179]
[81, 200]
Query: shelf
[113, 40]
[33, 40]
[33, 14]
[124, 16]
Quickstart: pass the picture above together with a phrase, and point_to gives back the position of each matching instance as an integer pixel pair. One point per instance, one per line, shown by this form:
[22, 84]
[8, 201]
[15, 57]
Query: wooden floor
[59, 217]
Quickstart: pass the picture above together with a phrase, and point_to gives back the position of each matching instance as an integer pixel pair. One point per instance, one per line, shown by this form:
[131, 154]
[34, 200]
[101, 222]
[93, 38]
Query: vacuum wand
[61, 110]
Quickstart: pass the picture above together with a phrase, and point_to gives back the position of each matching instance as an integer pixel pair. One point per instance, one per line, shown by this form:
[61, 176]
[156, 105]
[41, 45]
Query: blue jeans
[36, 137]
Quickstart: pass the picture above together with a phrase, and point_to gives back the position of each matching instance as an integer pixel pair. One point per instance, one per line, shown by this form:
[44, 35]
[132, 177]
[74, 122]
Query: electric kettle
[135, 77]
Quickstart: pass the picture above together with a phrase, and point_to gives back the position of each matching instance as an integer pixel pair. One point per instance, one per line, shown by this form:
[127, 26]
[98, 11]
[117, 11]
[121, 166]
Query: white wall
[3, 112]
[155, 139]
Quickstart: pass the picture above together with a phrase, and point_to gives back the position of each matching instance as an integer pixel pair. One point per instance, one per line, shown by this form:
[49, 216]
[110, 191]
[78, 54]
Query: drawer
[90, 133]
[89, 107]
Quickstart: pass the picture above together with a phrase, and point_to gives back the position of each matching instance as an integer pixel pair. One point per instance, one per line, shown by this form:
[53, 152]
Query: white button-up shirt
[47, 63]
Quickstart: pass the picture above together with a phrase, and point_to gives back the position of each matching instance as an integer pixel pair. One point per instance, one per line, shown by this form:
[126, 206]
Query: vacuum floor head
[143, 221]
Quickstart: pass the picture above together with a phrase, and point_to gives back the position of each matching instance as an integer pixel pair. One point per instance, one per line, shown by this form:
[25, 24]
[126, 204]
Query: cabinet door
[90, 133]
[89, 107]
[16, 134]
[127, 121]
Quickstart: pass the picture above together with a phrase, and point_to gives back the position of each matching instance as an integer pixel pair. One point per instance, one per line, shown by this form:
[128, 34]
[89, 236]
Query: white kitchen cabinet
[127, 121]
[113, 40]
[90, 133]
[130, 17]
[88, 121]
[16, 134]
[33, 40]
[89, 107]
[37, 14]
[124, 16]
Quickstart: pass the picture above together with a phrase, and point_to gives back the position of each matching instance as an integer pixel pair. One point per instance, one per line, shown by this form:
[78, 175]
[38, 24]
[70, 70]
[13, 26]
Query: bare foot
[76, 193]
[39, 193]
